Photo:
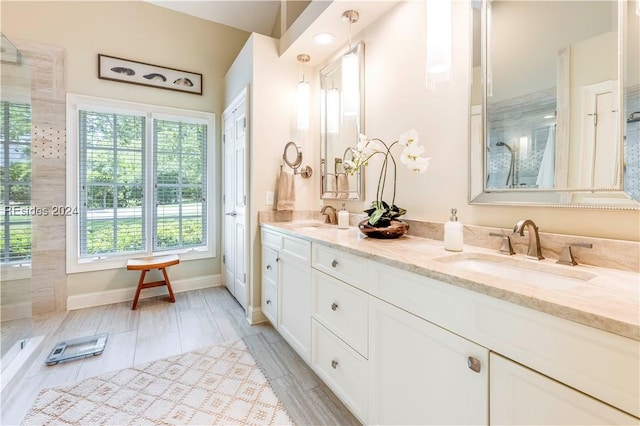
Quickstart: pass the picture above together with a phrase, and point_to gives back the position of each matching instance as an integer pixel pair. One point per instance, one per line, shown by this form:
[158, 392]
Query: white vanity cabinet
[401, 348]
[423, 374]
[521, 396]
[291, 268]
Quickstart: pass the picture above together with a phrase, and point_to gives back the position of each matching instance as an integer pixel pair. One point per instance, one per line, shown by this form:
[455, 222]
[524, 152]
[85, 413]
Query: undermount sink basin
[308, 225]
[531, 272]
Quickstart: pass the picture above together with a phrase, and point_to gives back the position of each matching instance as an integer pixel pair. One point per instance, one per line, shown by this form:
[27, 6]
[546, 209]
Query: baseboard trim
[99, 298]
[255, 315]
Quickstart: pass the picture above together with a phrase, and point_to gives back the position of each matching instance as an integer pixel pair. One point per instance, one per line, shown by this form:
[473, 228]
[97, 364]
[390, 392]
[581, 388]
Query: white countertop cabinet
[398, 347]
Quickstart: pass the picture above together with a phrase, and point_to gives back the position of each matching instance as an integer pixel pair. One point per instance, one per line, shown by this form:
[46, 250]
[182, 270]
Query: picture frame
[143, 74]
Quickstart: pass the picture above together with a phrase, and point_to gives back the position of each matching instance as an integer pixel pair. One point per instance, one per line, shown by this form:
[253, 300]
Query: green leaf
[377, 214]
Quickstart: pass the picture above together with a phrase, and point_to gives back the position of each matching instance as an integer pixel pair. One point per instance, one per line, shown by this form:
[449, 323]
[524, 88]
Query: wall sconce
[439, 42]
[350, 72]
[333, 110]
[303, 96]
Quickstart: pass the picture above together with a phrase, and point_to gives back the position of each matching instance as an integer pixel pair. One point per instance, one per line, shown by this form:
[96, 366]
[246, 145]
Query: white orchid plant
[381, 213]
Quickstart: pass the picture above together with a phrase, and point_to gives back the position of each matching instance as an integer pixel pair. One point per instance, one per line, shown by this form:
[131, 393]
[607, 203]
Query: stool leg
[166, 280]
[140, 282]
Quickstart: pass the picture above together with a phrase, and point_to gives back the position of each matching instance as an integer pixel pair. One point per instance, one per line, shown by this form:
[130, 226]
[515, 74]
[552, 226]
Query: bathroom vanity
[404, 333]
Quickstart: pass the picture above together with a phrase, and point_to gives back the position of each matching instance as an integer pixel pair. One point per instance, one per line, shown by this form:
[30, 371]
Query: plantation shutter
[180, 184]
[15, 191]
[111, 182]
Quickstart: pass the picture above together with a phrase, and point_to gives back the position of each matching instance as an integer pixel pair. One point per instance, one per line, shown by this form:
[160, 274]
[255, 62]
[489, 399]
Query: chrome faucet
[330, 215]
[534, 239]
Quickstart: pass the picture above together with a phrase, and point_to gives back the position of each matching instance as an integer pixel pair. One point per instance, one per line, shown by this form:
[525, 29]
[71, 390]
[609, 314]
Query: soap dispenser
[453, 237]
[343, 218]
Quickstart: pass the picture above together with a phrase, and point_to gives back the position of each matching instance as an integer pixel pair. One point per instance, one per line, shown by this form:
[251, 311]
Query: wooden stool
[148, 263]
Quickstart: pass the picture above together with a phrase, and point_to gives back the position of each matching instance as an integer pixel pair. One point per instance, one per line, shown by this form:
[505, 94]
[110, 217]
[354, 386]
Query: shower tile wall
[48, 188]
[632, 147]
[511, 120]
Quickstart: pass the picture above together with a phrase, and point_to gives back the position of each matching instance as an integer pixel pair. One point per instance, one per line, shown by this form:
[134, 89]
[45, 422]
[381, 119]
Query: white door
[520, 396]
[421, 374]
[235, 200]
[599, 145]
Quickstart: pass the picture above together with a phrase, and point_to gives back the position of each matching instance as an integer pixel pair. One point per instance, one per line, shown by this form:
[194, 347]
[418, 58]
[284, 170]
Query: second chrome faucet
[534, 239]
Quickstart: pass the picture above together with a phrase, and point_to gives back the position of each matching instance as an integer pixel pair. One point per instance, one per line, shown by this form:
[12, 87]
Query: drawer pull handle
[268, 266]
[334, 306]
[334, 364]
[277, 259]
[473, 363]
[268, 302]
[334, 263]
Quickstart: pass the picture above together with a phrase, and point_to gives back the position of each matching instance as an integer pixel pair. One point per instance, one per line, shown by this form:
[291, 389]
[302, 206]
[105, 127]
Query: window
[139, 175]
[15, 191]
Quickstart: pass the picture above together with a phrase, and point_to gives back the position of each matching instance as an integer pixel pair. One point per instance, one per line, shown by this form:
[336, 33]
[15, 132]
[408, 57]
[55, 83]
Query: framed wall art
[128, 71]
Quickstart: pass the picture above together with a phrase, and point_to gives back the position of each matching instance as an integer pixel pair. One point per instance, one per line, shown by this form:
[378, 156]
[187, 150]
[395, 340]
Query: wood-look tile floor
[158, 329]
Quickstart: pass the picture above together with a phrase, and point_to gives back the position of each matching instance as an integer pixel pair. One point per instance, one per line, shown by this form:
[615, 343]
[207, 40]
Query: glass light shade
[333, 110]
[350, 84]
[303, 97]
[439, 41]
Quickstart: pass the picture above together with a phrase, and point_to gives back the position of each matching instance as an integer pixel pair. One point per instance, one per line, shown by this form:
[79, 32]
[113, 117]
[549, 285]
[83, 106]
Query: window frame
[75, 103]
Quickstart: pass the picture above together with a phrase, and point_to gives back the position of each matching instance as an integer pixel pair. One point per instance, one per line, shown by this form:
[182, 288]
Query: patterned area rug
[210, 386]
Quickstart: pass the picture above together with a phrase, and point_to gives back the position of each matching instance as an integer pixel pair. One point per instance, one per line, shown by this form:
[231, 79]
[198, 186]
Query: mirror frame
[356, 194]
[597, 198]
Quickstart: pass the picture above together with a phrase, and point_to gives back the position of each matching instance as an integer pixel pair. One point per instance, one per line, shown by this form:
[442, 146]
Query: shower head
[509, 147]
[634, 117]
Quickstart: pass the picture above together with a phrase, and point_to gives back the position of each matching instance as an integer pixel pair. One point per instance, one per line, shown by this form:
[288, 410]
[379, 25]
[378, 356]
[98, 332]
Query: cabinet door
[420, 374]
[522, 396]
[294, 303]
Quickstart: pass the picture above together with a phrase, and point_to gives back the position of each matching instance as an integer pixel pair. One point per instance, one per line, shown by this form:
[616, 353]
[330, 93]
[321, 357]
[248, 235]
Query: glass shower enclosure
[15, 207]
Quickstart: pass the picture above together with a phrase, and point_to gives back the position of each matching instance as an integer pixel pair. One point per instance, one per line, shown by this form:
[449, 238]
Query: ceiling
[249, 15]
[260, 16]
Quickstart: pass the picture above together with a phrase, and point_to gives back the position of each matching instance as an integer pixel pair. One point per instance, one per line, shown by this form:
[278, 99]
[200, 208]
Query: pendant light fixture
[303, 96]
[439, 42]
[350, 72]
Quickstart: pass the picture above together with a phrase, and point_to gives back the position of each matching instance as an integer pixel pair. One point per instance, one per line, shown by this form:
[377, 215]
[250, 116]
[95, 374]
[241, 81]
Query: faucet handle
[566, 255]
[506, 243]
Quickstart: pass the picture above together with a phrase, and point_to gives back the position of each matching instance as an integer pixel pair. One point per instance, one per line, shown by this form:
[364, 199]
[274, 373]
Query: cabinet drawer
[341, 368]
[341, 308]
[296, 248]
[270, 303]
[271, 239]
[270, 264]
[339, 264]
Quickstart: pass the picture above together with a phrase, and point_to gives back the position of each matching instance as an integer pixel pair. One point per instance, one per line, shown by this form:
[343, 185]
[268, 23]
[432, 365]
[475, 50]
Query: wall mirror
[341, 120]
[555, 103]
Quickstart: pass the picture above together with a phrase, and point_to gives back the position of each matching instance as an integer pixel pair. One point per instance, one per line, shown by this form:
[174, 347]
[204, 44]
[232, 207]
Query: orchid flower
[380, 212]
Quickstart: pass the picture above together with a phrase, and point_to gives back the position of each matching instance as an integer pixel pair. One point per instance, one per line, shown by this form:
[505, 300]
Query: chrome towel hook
[292, 157]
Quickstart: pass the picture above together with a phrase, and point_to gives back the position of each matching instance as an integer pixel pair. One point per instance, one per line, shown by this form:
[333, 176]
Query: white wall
[272, 86]
[397, 99]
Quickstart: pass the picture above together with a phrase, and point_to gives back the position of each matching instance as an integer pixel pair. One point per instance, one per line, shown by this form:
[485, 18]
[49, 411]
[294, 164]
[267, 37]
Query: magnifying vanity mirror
[555, 103]
[341, 120]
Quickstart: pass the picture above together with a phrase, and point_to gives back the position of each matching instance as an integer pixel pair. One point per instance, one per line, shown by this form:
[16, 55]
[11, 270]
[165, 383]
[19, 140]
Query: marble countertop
[609, 301]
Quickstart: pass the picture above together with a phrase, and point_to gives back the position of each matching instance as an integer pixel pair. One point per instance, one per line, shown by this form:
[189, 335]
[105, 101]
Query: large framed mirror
[555, 103]
[341, 120]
